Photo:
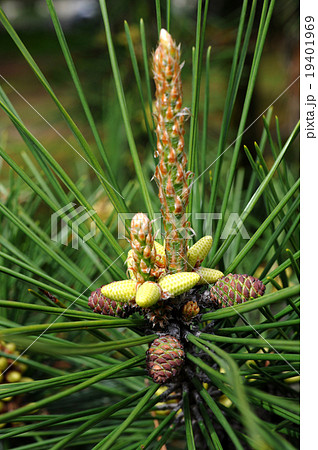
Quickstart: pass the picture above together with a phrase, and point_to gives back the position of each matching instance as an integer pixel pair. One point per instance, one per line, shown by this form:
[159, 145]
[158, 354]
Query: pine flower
[165, 358]
[234, 288]
[171, 174]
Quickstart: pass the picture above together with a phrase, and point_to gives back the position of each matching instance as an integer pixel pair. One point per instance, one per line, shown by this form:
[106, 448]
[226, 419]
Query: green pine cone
[235, 288]
[165, 358]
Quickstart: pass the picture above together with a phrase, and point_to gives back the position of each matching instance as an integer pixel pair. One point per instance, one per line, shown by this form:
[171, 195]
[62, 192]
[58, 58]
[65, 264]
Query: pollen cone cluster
[171, 174]
[149, 282]
[165, 358]
[235, 288]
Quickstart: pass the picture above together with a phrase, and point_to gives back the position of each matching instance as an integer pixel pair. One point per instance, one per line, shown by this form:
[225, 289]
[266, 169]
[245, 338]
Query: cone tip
[164, 37]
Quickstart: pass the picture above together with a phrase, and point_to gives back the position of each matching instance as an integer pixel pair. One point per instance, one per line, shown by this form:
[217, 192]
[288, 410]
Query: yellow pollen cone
[178, 283]
[121, 291]
[148, 294]
[208, 275]
[160, 249]
[199, 251]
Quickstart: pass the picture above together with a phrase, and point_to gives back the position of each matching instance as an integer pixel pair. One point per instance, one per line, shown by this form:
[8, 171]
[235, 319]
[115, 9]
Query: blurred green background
[82, 24]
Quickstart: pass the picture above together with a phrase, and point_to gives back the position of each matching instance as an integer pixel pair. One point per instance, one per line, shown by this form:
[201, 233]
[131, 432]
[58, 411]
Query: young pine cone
[171, 172]
[105, 306]
[235, 288]
[190, 310]
[165, 358]
[141, 261]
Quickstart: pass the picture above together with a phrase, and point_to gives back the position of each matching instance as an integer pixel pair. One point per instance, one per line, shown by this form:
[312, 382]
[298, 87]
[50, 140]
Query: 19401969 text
[311, 101]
